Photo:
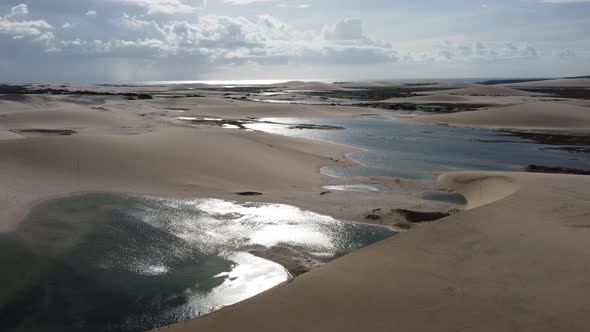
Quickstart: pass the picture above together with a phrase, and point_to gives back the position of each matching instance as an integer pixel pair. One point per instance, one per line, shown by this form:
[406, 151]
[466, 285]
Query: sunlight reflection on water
[139, 262]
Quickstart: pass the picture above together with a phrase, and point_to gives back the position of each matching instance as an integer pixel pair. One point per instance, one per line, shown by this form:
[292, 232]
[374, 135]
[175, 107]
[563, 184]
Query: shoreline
[480, 256]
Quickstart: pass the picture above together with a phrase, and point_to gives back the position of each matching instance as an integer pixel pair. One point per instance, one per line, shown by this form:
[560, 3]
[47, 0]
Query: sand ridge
[559, 83]
[528, 115]
[484, 90]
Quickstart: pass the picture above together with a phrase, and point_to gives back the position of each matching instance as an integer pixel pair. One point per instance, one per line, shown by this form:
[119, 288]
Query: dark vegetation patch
[240, 89]
[39, 90]
[219, 122]
[373, 216]
[427, 107]
[375, 94]
[420, 217]
[574, 77]
[572, 149]
[420, 84]
[559, 142]
[556, 170]
[551, 138]
[508, 81]
[62, 132]
[562, 92]
[190, 95]
[313, 126]
[249, 193]
[14, 97]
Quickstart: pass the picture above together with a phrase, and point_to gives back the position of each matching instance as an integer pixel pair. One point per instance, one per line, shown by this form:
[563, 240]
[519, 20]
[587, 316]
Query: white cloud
[223, 39]
[10, 25]
[91, 13]
[566, 54]
[67, 25]
[473, 52]
[162, 6]
[19, 10]
[244, 2]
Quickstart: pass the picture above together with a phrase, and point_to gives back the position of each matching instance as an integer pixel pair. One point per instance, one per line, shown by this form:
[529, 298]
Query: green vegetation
[419, 217]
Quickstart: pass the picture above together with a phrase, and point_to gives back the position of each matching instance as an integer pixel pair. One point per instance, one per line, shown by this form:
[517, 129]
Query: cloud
[19, 10]
[162, 6]
[566, 54]
[474, 52]
[10, 24]
[345, 29]
[91, 13]
[219, 39]
[67, 25]
[244, 2]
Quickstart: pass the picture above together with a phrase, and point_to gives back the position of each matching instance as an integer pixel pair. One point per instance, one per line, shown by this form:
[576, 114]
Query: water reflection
[414, 151]
[106, 262]
[362, 187]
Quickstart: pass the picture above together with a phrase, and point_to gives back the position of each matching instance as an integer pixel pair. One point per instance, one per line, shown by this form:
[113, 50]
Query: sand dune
[541, 115]
[448, 85]
[479, 190]
[516, 264]
[484, 90]
[559, 83]
[301, 85]
[437, 98]
[241, 109]
[13, 106]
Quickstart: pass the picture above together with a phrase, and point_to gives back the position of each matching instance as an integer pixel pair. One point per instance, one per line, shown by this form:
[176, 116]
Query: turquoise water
[106, 262]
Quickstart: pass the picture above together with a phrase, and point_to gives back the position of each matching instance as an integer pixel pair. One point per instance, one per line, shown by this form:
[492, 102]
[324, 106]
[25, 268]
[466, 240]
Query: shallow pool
[110, 262]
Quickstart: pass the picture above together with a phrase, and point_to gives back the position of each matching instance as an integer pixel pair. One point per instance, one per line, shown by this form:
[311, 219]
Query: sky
[95, 41]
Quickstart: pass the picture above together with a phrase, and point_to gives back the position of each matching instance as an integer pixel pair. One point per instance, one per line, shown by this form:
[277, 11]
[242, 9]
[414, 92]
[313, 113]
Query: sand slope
[559, 83]
[517, 264]
[484, 90]
[437, 98]
[540, 115]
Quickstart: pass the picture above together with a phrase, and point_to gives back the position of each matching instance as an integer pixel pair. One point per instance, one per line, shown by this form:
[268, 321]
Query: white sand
[532, 115]
[559, 83]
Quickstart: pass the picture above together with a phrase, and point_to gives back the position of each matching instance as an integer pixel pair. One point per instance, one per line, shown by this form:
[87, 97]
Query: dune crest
[539, 115]
[480, 189]
[484, 90]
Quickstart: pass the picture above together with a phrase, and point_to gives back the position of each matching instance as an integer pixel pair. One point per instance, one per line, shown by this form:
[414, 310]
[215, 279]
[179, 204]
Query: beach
[514, 258]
